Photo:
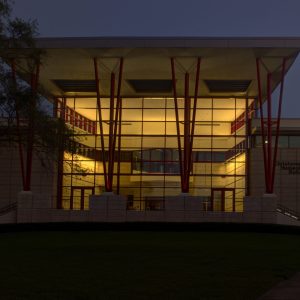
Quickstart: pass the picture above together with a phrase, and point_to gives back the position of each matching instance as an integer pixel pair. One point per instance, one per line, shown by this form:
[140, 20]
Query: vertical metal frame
[72, 198]
[235, 148]
[67, 111]
[233, 201]
[141, 186]
[82, 199]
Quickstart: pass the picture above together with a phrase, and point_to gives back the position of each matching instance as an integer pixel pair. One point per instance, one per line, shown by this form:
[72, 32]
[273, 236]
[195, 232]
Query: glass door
[79, 199]
[223, 199]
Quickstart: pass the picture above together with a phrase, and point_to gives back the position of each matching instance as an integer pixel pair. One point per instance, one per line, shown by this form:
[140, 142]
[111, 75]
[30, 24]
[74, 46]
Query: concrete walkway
[285, 290]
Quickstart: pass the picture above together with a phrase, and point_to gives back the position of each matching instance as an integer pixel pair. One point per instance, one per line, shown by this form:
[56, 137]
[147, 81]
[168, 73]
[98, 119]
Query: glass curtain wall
[149, 166]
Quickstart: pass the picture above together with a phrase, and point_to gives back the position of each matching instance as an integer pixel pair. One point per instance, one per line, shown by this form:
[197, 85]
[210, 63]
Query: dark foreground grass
[144, 265]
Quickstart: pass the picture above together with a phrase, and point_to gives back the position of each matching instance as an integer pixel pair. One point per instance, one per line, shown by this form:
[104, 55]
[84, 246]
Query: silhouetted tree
[26, 120]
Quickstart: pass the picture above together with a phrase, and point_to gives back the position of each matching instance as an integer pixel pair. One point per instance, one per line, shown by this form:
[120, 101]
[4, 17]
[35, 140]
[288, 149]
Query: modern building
[165, 129]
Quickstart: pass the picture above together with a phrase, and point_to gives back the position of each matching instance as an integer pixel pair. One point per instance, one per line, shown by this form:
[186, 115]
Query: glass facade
[146, 168]
[284, 141]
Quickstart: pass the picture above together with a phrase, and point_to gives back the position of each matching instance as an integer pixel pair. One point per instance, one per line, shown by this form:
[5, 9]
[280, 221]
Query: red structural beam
[117, 113]
[187, 118]
[118, 100]
[195, 98]
[31, 125]
[177, 120]
[189, 124]
[278, 120]
[262, 125]
[119, 148]
[270, 156]
[60, 158]
[194, 114]
[114, 115]
[111, 130]
[14, 78]
[100, 121]
[269, 131]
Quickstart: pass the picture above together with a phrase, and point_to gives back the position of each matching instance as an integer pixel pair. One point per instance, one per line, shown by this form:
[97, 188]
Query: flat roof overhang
[148, 58]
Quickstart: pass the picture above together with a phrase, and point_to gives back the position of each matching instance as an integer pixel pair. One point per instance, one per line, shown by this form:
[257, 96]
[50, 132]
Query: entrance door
[223, 199]
[80, 197]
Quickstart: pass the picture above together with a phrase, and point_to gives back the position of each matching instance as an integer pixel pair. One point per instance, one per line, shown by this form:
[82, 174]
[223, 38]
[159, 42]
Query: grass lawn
[144, 265]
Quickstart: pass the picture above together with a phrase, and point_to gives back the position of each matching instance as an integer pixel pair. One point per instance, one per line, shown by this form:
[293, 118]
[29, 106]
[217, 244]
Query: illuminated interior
[148, 167]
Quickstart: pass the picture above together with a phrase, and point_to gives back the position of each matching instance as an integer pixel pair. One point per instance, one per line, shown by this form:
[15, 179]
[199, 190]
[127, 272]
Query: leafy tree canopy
[23, 117]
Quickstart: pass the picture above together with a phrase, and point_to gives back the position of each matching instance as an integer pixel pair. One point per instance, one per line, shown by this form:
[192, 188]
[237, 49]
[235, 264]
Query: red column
[177, 122]
[114, 113]
[270, 156]
[100, 122]
[189, 125]
[278, 121]
[190, 162]
[262, 125]
[14, 78]
[111, 128]
[119, 147]
[116, 121]
[31, 124]
[60, 158]
[269, 131]
[186, 150]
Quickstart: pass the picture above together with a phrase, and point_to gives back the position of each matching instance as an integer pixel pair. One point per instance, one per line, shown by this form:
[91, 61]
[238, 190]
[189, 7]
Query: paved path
[285, 290]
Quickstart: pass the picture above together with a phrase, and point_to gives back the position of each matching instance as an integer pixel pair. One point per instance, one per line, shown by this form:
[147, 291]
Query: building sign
[292, 167]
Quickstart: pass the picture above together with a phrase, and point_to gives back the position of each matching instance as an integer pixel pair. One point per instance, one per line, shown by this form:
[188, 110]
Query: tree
[28, 124]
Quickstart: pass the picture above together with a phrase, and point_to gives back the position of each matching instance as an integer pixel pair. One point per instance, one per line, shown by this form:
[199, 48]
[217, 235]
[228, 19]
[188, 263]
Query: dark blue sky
[171, 18]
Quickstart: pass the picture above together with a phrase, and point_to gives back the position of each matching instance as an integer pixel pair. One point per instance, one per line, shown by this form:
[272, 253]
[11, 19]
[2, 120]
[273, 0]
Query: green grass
[144, 265]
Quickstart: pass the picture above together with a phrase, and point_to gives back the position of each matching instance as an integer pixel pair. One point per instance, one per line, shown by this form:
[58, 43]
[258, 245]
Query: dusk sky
[62, 18]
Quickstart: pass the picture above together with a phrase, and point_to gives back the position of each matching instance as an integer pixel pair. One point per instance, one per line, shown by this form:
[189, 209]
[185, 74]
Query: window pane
[295, 141]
